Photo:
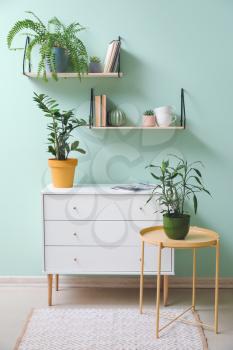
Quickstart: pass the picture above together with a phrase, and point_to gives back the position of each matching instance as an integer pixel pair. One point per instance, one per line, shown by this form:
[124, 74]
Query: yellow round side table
[196, 238]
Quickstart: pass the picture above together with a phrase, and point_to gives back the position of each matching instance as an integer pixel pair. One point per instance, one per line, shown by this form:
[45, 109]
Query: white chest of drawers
[94, 230]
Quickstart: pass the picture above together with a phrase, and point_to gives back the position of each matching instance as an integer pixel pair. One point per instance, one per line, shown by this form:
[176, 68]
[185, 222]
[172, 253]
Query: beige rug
[107, 329]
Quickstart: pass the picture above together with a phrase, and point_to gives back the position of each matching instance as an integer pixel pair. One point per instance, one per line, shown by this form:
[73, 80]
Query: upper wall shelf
[75, 75]
[116, 74]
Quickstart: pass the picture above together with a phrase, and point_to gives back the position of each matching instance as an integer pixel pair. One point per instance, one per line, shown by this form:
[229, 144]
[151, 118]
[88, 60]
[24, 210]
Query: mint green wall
[167, 45]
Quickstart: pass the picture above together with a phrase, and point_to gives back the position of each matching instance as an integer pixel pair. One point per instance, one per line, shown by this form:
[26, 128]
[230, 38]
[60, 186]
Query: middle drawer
[99, 233]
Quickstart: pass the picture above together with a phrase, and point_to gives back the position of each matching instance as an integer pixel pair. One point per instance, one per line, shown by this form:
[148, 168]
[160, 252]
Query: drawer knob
[75, 260]
[140, 208]
[75, 234]
[74, 208]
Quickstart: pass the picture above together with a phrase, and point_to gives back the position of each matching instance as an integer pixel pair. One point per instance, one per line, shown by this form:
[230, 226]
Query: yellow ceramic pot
[63, 172]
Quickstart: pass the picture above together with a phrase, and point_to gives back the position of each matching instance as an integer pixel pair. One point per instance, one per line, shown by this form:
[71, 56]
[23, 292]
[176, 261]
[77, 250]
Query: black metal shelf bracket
[91, 115]
[182, 110]
[119, 59]
[27, 42]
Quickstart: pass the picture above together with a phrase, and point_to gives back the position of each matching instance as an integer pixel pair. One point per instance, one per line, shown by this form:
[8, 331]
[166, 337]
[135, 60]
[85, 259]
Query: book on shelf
[116, 64]
[108, 56]
[98, 111]
[101, 111]
[115, 60]
[112, 57]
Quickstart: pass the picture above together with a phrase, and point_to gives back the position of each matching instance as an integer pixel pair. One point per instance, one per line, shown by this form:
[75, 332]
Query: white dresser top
[99, 189]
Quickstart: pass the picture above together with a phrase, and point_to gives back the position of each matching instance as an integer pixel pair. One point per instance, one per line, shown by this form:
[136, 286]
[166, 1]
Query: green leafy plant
[149, 112]
[54, 34]
[60, 126]
[176, 184]
[95, 59]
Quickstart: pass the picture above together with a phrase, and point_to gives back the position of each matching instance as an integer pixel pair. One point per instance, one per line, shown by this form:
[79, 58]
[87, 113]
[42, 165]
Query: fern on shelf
[54, 34]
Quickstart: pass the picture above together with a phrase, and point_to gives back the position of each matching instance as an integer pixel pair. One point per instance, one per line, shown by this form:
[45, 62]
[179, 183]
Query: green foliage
[149, 112]
[95, 59]
[176, 184]
[54, 34]
[60, 126]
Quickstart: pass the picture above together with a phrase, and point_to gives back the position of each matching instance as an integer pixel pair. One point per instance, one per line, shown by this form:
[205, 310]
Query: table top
[102, 189]
[196, 238]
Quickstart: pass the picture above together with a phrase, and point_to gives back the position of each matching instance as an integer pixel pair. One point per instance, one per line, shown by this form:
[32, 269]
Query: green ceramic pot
[176, 227]
[117, 117]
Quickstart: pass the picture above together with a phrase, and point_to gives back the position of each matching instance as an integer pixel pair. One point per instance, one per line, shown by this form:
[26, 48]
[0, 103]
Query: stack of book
[112, 57]
[100, 111]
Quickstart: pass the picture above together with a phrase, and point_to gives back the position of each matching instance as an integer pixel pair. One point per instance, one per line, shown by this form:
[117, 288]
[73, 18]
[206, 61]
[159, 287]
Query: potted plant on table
[149, 118]
[94, 65]
[61, 125]
[175, 185]
[58, 45]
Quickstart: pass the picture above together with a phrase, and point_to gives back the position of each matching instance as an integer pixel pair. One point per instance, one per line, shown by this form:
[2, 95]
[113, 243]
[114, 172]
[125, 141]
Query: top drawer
[99, 207]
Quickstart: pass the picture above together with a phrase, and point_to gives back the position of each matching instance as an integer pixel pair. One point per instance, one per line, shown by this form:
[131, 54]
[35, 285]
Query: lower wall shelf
[93, 120]
[137, 128]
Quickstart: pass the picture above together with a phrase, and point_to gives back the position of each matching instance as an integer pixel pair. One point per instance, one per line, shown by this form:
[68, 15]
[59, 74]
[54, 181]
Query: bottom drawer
[101, 260]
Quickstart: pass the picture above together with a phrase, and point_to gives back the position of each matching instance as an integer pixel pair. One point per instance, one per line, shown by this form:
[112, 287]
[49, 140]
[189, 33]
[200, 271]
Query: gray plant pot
[95, 67]
[61, 60]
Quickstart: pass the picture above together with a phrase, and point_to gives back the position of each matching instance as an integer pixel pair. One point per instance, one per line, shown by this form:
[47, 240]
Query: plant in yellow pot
[61, 125]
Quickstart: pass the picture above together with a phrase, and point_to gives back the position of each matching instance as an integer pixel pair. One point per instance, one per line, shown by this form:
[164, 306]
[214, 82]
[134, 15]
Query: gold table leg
[216, 288]
[194, 280]
[158, 291]
[142, 277]
[50, 288]
[57, 282]
[165, 290]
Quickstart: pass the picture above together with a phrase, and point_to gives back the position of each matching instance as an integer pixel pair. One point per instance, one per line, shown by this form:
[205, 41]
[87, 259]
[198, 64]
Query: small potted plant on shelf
[175, 185]
[58, 44]
[94, 65]
[61, 125]
[149, 118]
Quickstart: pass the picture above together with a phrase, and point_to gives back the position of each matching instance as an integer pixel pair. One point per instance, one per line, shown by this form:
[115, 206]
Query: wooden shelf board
[75, 75]
[137, 128]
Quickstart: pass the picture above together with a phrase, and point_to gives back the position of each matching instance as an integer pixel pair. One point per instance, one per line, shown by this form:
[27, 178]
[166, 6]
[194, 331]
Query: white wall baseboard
[112, 281]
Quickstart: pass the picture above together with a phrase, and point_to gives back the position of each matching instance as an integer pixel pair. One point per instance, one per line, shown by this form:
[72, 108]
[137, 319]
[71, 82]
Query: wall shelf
[181, 126]
[75, 75]
[28, 72]
[137, 128]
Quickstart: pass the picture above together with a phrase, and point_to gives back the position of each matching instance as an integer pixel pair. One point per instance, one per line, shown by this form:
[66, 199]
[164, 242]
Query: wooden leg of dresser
[165, 289]
[50, 289]
[57, 282]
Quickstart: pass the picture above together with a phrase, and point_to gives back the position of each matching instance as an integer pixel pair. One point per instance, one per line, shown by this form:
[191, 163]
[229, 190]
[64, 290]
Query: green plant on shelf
[61, 126]
[53, 35]
[149, 112]
[95, 59]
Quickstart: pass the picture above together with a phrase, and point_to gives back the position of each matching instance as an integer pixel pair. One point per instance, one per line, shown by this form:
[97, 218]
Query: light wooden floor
[16, 302]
